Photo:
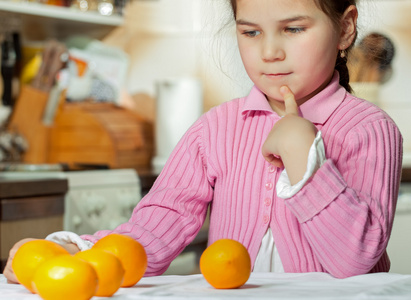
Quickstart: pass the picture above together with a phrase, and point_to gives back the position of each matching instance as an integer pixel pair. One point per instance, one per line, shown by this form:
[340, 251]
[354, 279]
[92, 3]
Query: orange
[65, 277]
[110, 271]
[131, 254]
[30, 256]
[225, 264]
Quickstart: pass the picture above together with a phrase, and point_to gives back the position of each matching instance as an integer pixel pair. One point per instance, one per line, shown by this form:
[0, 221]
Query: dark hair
[334, 9]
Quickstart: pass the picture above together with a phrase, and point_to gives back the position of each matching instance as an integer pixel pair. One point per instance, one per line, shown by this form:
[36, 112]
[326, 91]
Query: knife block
[26, 120]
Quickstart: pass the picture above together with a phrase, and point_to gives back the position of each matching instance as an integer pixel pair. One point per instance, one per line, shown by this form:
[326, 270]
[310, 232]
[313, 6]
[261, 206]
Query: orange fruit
[65, 277]
[225, 264]
[110, 271]
[30, 256]
[131, 254]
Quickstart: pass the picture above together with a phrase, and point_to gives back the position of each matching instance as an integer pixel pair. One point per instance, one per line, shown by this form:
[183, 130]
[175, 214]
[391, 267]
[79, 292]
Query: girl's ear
[348, 27]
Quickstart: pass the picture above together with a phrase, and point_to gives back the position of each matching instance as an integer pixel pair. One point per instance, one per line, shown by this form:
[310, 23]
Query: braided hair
[342, 68]
[335, 9]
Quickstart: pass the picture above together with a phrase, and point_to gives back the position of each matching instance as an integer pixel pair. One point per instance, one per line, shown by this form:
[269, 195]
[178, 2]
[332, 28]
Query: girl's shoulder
[226, 109]
[361, 109]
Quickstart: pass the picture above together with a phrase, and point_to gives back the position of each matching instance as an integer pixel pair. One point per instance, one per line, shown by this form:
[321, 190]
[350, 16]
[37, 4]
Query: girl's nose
[272, 51]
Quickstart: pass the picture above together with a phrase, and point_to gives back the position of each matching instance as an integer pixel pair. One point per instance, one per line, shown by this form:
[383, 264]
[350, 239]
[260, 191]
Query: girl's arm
[290, 140]
[347, 208]
[169, 217]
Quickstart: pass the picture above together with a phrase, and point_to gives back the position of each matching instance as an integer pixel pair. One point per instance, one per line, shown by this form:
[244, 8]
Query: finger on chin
[291, 106]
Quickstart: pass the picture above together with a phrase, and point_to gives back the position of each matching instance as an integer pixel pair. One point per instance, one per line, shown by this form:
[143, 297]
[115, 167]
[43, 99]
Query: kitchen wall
[180, 38]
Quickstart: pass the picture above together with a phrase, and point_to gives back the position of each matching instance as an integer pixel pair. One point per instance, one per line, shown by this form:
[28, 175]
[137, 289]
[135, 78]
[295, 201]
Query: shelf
[59, 22]
[56, 12]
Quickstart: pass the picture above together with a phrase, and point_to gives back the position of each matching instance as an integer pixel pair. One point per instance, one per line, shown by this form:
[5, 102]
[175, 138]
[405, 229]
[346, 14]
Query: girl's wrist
[295, 157]
[316, 158]
[71, 248]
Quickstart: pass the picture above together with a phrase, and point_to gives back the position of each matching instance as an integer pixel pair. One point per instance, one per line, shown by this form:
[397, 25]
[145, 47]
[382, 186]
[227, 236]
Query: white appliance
[179, 105]
[100, 199]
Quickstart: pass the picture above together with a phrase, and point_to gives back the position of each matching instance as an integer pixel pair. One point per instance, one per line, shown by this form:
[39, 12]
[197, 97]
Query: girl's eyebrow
[284, 21]
[296, 18]
[244, 22]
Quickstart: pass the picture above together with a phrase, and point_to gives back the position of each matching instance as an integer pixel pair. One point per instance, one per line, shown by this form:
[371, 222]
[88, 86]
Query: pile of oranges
[114, 261]
[49, 270]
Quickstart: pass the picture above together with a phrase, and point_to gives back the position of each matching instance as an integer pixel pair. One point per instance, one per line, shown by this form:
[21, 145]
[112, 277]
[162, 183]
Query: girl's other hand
[290, 140]
[8, 271]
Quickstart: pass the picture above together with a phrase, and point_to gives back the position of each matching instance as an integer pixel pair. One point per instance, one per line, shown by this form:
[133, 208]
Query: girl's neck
[277, 106]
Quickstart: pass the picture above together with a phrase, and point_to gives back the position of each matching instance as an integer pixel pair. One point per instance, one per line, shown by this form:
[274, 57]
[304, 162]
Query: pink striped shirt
[339, 222]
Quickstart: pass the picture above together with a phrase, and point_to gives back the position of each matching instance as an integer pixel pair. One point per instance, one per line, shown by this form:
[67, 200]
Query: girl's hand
[8, 271]
[290, 139]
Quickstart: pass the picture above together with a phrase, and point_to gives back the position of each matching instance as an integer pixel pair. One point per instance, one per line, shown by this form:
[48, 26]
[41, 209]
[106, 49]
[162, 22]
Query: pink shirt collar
[318, 109]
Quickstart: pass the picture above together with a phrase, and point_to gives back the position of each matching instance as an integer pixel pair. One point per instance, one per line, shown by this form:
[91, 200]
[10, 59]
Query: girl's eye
[294, 29]
[252, 33]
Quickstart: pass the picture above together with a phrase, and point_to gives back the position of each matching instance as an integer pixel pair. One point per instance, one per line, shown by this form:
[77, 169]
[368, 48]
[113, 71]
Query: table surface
[259, 286]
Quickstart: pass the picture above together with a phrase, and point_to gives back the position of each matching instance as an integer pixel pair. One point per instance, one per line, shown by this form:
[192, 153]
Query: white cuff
[316, 157]
[66, 237]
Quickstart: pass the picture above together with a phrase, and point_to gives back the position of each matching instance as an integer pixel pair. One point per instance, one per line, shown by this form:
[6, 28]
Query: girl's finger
[275, 161]
[291, 106]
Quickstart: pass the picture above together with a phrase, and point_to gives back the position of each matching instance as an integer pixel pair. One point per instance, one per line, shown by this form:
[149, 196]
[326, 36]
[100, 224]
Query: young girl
[302, 173]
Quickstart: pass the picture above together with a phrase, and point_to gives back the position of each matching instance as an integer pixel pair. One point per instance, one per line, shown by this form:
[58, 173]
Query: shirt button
[271, 169]
[267, 201]
[266, 219]
[268, 186]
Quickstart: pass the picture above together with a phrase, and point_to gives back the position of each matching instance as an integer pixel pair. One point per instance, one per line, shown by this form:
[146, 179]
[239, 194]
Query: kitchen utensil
[54, 58]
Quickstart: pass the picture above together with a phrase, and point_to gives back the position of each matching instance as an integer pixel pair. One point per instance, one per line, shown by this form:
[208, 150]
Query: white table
[306, 286]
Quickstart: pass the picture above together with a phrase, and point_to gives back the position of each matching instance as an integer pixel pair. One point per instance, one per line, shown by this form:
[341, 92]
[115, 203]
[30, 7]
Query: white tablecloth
[306, 286]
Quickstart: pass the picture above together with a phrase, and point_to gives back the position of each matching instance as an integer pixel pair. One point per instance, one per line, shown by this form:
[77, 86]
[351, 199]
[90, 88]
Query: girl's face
[285, 42]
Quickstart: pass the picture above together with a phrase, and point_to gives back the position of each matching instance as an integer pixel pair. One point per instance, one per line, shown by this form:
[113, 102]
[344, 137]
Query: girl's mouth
[276, 75]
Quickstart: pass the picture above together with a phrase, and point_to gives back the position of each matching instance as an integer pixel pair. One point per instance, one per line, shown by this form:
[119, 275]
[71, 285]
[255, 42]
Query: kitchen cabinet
[406, 174]
[57, 22]
[29, 208]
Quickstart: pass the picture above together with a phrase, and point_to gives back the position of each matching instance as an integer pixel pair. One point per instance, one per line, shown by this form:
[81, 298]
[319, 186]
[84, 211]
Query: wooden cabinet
[29, 208]
[406, 174]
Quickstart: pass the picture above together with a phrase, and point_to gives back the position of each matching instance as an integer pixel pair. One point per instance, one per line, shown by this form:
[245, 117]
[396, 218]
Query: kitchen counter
[23, 187]
[29, 208]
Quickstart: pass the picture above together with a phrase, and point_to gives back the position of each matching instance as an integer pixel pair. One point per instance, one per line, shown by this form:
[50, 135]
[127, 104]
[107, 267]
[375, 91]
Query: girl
[301, 172]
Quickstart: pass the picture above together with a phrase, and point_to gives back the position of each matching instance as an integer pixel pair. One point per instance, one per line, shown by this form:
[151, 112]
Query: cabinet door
[34, 217]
